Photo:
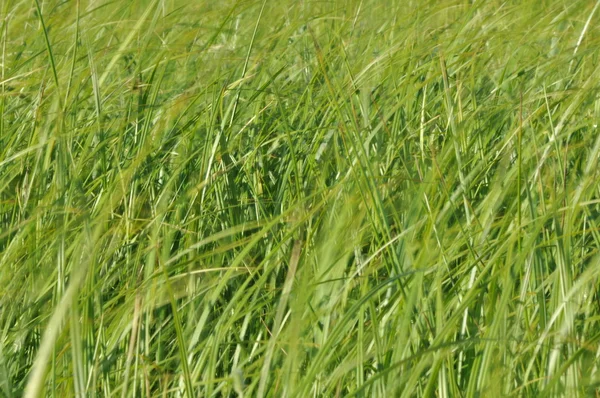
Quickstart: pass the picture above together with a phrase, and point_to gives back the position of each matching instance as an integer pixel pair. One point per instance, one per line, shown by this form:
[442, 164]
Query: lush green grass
[302, 198]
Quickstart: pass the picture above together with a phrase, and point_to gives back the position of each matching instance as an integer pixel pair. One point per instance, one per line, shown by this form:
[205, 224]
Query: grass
[304, 198]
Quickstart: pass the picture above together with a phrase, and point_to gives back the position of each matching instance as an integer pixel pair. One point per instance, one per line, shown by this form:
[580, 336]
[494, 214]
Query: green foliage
[302, 198]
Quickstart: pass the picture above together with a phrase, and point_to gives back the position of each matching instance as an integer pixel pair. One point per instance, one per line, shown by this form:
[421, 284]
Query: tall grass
[302, 198]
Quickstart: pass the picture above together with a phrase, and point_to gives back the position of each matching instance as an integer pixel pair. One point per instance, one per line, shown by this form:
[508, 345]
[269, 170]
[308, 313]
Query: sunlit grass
[333, 198]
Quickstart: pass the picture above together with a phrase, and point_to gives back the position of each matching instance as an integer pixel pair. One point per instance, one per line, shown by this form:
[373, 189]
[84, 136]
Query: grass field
[299, 198]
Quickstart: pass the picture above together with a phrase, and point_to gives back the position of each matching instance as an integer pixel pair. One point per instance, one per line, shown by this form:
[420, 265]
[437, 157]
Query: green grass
[303, 198]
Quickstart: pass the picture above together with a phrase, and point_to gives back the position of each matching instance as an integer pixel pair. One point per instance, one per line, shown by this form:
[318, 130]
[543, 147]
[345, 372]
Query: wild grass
[300, 198]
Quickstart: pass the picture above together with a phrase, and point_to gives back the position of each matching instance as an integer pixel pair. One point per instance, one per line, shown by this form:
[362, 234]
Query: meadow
[311, 198]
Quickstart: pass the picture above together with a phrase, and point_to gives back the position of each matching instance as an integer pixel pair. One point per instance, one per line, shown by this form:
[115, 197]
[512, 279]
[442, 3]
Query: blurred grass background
[299, 198]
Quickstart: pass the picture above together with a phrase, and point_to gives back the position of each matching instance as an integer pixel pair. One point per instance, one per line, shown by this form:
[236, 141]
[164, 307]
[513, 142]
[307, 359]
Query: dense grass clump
[299, 198]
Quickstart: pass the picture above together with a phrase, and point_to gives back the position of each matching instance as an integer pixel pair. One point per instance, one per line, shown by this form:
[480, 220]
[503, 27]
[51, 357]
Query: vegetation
[299, 198]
